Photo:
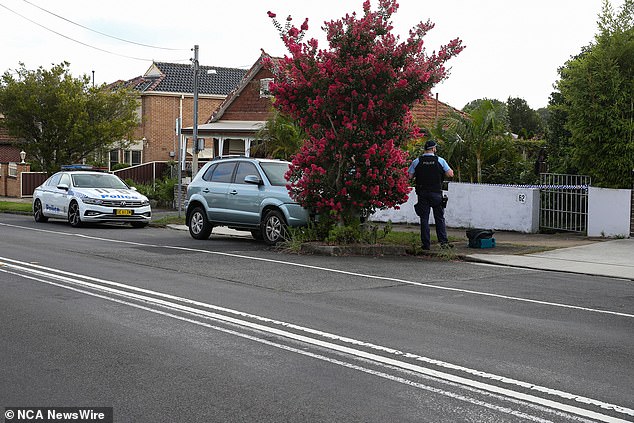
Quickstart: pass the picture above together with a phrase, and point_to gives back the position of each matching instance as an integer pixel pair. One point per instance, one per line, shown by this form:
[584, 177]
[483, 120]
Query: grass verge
[15, 207]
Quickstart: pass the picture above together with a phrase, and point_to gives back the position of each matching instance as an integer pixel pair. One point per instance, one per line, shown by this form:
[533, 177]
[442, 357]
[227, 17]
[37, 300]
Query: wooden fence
[145, 173]
[30, 181]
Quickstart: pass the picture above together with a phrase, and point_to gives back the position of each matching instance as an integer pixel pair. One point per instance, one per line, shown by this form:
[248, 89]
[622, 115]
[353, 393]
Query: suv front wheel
[199, 226]
[273, 227]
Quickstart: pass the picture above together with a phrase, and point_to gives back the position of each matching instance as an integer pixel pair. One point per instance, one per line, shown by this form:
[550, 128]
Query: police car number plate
[123, 212]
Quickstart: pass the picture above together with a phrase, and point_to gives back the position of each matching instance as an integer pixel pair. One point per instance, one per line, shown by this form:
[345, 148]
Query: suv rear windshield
[275, 172]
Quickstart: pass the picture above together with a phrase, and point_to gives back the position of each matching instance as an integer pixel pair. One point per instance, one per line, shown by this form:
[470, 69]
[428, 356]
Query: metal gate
[564, 202]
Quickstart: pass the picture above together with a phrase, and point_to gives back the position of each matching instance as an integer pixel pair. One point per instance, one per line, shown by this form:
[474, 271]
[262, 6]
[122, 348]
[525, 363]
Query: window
[275, 172]
[54, 180]
[65, 179]
[265, 90]
[208, 173]
[223, 172]
[136, 157]
[114, 158]
[13, 169]
[245, 169]
[132, 157]
[236, 147]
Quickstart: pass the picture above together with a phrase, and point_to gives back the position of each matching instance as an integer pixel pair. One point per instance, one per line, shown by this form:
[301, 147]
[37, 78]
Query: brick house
[8, 151]
[11, 165]
[232, 128]
[166, 93]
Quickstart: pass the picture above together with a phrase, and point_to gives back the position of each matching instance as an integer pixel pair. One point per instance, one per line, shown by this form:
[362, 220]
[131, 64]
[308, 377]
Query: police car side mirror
[63, 187]
[133, 188]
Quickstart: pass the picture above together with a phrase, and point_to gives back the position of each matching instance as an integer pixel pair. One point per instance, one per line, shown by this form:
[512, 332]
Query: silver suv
[243, 193]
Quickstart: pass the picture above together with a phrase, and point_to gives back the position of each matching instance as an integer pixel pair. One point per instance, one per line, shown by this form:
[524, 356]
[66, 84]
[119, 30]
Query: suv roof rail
[231, 156]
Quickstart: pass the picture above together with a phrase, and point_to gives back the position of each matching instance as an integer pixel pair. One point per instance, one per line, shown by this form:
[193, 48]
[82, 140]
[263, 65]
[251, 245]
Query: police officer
[429, 171]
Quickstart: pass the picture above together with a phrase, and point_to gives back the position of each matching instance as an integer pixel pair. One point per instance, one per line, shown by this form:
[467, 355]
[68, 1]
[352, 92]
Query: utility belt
[420, 190]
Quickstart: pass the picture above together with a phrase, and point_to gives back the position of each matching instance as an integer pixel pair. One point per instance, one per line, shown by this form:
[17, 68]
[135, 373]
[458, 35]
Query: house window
[236, 147]
[132, 157]
[114, 158]
[136, 157]
[13, 169]
[265, 90]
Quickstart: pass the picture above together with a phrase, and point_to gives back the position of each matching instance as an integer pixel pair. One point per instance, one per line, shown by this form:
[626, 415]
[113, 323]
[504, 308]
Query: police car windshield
[275, 172]
[98, 181]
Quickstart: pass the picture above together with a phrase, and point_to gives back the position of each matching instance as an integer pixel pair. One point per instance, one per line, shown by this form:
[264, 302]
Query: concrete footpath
[559, 252]
[608, 258]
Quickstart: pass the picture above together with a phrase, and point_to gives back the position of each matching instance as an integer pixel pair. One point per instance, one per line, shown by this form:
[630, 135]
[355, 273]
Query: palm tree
[472, 136]
[280, 138]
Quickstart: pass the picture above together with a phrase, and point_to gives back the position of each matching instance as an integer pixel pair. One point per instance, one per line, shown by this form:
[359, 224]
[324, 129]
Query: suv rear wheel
[199, 226]
[273, 227]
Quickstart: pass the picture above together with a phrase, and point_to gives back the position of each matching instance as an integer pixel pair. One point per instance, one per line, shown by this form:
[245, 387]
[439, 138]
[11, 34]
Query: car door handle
[234, 192]
[206, 190]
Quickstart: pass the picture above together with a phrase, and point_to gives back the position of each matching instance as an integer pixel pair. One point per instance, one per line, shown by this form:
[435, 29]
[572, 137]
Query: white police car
[82, 196]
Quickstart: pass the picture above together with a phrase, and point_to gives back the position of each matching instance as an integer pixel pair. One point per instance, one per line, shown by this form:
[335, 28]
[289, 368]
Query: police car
[80, 195]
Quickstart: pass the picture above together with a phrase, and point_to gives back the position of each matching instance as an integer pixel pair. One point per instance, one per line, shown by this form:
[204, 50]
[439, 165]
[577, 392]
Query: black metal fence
[564, 202]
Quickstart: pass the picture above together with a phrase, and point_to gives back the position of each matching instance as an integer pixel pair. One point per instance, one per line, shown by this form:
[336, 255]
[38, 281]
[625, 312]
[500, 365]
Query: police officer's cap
[430, 144]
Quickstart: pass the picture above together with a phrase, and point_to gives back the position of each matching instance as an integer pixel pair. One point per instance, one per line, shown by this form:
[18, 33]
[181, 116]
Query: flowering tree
[353, 101]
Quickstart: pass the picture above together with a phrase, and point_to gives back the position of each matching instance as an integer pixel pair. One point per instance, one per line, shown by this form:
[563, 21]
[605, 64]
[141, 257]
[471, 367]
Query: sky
[513, 47]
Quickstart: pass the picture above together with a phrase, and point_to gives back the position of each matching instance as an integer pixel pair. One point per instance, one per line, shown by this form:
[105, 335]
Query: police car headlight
[145, 202]
[95, 201]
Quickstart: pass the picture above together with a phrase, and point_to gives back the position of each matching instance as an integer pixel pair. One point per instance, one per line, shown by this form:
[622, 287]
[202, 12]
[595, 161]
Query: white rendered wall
[478, 206]
[609, 212]
[493, 207]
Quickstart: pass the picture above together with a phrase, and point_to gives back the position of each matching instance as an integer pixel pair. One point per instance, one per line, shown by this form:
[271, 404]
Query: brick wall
[10, 186]
[248, 105]
[159, 119]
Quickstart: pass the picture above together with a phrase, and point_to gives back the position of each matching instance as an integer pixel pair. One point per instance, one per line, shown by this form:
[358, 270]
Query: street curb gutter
[354, 250]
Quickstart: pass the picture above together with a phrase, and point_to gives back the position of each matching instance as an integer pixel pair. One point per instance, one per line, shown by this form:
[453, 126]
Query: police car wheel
[74, 215]
[199, 226]
[38, 213]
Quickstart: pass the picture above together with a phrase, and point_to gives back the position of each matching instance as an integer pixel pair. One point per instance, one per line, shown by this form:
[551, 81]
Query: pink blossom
[354, 105]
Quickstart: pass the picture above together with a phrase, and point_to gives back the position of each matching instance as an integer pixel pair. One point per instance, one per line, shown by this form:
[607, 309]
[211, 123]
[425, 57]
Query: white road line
[343, 272]
[330, 360]
[59, 275]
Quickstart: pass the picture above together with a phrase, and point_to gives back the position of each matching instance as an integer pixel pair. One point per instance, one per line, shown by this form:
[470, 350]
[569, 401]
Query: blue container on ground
[481, 238]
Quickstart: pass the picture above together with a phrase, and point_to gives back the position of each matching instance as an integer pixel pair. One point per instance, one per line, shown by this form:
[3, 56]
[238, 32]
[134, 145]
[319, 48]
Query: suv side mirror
[253, 179]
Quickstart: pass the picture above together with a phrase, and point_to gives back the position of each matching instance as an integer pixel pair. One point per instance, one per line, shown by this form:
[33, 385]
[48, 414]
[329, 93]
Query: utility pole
[195, 135]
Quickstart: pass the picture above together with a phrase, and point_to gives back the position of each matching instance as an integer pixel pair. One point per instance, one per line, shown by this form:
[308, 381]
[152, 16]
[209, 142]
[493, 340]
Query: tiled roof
[9, 153]
[179, 78]
[427, 111]
[241, 85]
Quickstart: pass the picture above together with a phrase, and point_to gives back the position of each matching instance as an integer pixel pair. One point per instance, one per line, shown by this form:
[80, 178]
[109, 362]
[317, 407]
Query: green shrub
[119, 166]
[162, 191]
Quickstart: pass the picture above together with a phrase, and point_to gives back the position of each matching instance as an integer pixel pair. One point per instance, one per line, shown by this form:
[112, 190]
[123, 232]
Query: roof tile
[179, 78]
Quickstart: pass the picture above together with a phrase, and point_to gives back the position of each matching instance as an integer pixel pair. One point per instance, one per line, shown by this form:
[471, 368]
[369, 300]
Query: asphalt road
[164, 328]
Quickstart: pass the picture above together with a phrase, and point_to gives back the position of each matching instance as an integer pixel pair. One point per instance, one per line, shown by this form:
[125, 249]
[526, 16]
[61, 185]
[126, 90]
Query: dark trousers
[431, 201]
